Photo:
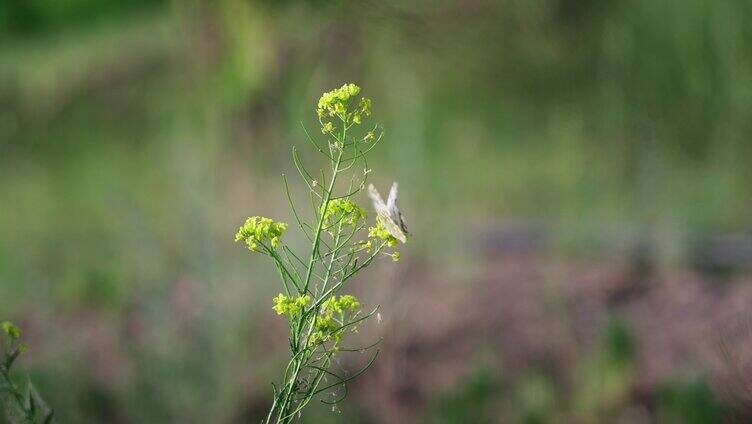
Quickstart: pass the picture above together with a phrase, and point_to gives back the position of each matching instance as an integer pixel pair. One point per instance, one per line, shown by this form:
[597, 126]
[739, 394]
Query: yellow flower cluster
[259, 230]
[11, 330]
[345, 210]
[336, 103]
[327, 327]
[381, 233]
[292, 307]
[345, 303]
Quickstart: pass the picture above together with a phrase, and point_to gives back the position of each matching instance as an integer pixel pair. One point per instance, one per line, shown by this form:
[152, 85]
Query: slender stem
[297, 340]
[317, 235]
[13, 389]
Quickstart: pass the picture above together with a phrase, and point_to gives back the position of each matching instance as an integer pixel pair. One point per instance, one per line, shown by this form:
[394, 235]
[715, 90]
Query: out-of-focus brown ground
[533, 311]
[525, 311]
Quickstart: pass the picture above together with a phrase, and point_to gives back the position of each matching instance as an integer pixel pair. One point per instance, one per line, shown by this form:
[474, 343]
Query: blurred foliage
[537, 399]
[44, 17]
[690, 402]
[135, 134]
[601, 388]
[604, 380]
[470, 403]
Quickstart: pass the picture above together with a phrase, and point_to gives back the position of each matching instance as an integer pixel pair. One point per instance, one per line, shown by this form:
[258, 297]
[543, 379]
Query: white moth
[389, 213]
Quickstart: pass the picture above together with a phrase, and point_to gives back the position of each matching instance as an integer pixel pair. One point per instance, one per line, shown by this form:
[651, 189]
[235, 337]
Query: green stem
[11, 387]
[317, 235]
[283, 414]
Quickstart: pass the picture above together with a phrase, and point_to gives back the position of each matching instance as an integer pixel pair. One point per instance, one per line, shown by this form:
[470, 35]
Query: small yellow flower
[380, 232]
[11, 330]
[285, 305]
[344, 211]
[258, 230]
[337, 103]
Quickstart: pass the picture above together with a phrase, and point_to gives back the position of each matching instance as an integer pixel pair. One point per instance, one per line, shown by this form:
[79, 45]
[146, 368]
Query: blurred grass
[135, 136]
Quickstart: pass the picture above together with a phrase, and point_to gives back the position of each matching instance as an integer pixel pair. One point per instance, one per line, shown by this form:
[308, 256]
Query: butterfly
[389, 213]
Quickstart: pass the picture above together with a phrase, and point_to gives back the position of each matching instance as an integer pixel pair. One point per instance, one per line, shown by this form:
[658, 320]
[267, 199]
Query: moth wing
[390, 217]
[391, 201]
[401, 222]
[394, 211]
[393, 228]
[378, 202]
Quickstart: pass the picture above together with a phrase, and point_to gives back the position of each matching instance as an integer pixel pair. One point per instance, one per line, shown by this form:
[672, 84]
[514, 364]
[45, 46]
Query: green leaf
[49, 417]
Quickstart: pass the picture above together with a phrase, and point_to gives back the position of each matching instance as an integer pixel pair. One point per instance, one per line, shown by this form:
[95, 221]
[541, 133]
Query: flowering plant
[342, 245]
[20, 405]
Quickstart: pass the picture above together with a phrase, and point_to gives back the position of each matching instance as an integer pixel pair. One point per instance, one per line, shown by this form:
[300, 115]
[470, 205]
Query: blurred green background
[576, 175]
